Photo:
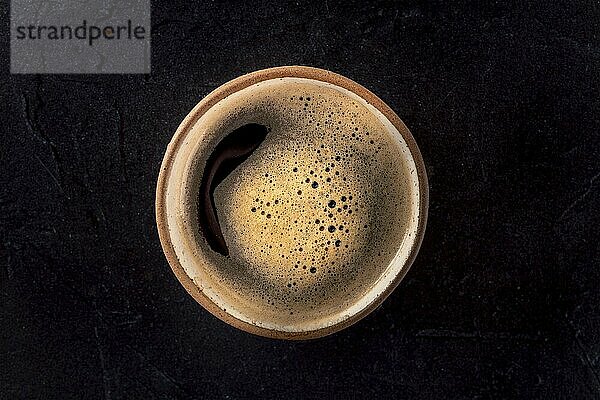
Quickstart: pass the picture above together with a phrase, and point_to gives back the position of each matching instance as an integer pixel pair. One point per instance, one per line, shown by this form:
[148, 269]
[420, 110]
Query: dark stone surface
[502, 302]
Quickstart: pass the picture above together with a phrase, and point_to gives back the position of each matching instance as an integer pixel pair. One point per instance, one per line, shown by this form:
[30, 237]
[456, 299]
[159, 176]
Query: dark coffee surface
[229, 153]
[502, 301]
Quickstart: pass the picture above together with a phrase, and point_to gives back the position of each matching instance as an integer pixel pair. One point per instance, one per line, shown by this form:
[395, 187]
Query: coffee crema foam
[317, 220]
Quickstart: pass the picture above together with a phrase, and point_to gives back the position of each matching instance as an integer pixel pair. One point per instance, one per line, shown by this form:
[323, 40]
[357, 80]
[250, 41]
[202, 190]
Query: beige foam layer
[285, 271]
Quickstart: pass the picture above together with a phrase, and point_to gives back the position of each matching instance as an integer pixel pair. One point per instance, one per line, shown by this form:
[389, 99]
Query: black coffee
[234, 149]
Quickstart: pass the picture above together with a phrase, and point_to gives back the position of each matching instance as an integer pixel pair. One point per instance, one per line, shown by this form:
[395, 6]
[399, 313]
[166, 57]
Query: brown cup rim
[240, 83]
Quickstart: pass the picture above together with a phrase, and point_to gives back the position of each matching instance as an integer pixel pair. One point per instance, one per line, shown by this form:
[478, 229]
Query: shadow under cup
[298, 264]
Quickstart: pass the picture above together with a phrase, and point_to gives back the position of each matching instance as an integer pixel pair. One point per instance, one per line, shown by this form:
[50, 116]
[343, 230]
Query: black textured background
[502, 302]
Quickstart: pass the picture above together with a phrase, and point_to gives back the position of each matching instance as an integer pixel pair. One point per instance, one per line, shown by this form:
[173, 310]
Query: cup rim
[236, 85]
